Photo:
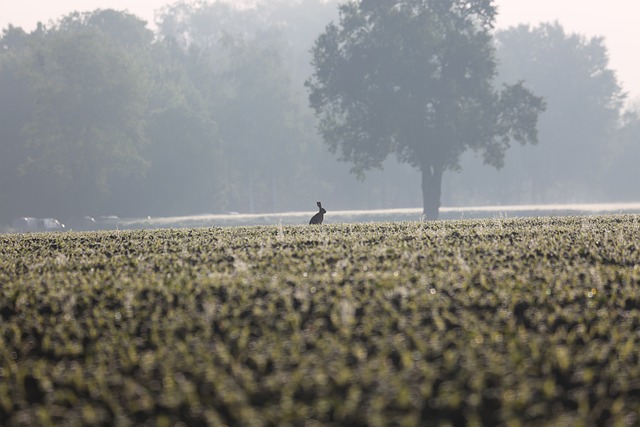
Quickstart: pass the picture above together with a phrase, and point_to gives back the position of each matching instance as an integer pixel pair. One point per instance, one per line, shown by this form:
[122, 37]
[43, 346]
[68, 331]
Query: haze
[615, 20]
[205, 110]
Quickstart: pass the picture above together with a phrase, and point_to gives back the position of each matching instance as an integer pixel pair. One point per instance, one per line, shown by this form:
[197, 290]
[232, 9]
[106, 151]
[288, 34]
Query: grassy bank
[461, 322]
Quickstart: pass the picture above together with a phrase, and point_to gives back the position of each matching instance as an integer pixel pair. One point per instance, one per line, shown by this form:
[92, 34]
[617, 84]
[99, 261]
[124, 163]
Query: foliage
[414, 78]
[583, 96]
[14, 116]
[100, 115]
[584, 105]
[241, 65]
[89, 110]
[524, 321]
[86, 92]
[621, 172]
[184, 150]
[105, 118]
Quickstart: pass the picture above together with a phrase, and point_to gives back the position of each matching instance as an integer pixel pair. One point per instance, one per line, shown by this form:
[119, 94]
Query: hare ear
[319, 204]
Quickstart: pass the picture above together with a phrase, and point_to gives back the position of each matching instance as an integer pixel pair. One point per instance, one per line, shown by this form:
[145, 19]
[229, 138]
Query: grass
[486, 322]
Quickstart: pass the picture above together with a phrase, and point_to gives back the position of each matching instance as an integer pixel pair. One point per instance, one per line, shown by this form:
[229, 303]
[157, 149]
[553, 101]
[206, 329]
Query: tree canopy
[87, 100]
[584, 102]
[415, 78]
[577, 133]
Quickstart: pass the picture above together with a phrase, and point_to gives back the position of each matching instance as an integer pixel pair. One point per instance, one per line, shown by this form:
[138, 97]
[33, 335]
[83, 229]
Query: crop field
[475, 322]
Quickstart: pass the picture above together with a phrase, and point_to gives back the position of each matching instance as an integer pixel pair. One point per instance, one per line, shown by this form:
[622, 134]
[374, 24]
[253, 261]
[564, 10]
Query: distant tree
[237, 60]
[299, 22]
[259, 122]
[584, 103]
[621, 174]
[89, 96]
[15, 112]
[184, 151]
[123, 28]
[414, 78]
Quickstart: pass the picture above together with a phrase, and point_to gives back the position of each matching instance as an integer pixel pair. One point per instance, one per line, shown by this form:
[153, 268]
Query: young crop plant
[486, 322]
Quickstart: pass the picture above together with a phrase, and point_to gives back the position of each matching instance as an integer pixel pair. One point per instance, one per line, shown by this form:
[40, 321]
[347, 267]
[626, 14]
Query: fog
[207, 112]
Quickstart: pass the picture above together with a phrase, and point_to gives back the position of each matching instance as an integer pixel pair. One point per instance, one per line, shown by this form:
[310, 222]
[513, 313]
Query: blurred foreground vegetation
[514, 321]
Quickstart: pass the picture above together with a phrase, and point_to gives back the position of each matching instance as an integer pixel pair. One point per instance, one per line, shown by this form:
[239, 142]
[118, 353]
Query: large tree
[415, 78]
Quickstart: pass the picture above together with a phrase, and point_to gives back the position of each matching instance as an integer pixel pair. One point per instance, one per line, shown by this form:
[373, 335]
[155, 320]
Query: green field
[487, 322]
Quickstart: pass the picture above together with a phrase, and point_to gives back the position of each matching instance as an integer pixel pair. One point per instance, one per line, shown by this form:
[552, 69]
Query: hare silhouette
[317, 218]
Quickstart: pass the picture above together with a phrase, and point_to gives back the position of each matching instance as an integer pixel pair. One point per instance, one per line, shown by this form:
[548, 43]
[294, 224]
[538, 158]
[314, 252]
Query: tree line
[209, 112]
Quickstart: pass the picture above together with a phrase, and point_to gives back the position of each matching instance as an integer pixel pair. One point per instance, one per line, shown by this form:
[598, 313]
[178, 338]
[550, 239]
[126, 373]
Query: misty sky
[616, 20]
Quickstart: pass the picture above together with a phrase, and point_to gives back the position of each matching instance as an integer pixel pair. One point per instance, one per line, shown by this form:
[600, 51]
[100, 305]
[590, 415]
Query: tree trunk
[431, 190]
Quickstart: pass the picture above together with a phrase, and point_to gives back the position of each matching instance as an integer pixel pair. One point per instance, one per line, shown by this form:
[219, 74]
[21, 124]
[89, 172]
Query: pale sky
[618, 21]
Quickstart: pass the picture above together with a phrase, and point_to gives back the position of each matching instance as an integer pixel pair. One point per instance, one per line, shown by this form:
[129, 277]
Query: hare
[317, 218]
